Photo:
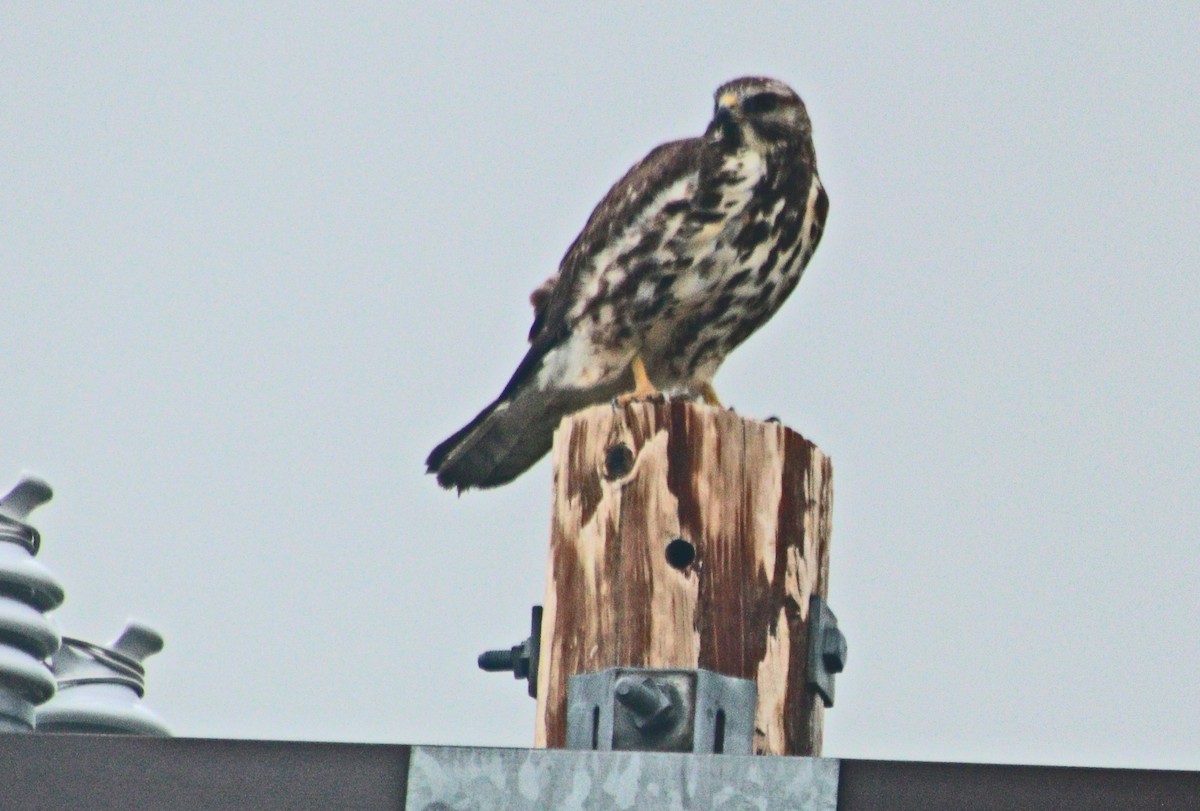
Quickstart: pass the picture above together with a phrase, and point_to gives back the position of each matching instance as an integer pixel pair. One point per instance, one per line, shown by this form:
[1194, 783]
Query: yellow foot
[709, 395]
[643, 389]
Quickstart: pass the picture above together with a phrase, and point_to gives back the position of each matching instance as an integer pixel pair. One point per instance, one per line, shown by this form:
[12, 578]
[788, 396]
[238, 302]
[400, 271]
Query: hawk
[686, 256]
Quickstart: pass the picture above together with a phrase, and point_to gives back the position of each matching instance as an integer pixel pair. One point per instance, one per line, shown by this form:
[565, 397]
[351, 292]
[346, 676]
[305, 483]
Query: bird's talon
[643, 389]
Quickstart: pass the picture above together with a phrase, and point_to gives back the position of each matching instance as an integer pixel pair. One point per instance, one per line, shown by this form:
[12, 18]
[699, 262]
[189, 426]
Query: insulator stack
[100, 688]
[27, 591]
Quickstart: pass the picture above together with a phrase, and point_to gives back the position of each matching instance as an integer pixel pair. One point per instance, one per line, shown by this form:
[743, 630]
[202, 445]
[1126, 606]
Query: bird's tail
[501, 443]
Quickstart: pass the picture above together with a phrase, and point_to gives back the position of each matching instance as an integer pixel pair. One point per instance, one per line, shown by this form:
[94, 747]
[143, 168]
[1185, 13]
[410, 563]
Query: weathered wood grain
[753, 498]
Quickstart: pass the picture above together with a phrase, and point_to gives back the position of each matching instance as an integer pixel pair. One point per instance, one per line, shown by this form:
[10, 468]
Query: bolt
[496, 661]
[515, 659]
[521, 659]
[649, 703]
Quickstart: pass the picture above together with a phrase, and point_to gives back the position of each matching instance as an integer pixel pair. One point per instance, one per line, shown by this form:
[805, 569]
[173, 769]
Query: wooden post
[686, 536]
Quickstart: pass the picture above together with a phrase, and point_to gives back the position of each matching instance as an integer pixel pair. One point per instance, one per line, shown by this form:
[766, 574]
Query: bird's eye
[760, 104]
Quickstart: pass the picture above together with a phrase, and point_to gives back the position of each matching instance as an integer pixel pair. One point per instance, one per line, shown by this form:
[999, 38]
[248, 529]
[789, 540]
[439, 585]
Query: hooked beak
[725, 117]
[726, 109]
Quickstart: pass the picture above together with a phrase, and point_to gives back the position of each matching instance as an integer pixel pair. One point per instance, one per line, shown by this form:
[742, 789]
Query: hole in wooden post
[718, 734]
[618, 461]
[595, 728]
[680, 553]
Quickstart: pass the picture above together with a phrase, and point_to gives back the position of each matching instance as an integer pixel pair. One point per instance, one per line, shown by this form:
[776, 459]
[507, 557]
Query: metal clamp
[521, 659]
[653, 710]
[826, 649]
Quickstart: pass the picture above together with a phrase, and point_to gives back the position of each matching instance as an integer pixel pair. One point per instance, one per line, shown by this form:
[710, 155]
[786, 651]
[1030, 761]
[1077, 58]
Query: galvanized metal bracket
[458, 778]
[649, 710]
[522, 659]
[826, 649]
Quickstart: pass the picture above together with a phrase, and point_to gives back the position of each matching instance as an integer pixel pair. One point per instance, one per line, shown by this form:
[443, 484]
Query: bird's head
[760, 112]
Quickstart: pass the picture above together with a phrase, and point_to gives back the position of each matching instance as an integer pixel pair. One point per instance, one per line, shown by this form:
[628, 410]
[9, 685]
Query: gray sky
[257, 261]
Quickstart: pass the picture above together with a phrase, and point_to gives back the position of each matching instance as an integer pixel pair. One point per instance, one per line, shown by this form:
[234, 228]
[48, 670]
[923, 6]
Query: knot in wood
[618, 461]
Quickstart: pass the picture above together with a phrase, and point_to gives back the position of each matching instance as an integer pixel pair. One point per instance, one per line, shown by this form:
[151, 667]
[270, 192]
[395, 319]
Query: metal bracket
[826, 649]
[521, 659]
[652, 710]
